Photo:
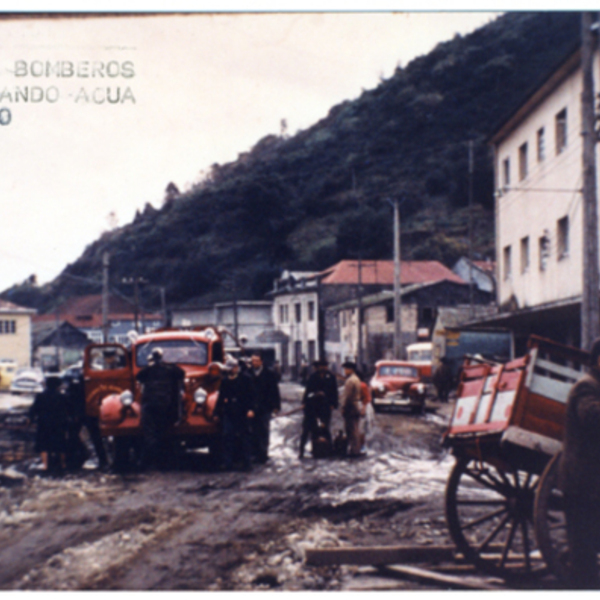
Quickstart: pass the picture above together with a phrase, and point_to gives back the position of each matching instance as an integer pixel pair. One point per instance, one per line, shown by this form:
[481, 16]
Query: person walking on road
[235, 409]
[352, 408]
[161, 387]
[49, 412]
[268, 402]
[319, 399]
[579, 476]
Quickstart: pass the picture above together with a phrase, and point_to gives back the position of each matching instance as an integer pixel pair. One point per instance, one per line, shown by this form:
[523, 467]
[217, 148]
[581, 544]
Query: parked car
[398, 383]
[28, 380]
[421, 355]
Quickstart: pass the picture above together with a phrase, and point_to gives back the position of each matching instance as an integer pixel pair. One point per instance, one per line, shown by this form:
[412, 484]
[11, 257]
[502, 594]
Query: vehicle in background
[114, 396]
[421, 354]
[456, 343]
[398, 384]
[8, 369]
[28, 380]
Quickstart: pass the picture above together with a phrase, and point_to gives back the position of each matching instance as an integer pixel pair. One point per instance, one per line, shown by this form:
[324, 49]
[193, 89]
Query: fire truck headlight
[126, 398]
[200, 396]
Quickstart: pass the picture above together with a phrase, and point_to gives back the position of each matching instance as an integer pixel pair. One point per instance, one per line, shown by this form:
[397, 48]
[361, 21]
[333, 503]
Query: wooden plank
[550, 388]
[446, 581]
[378, 555]
[558, 369]
[533, 441]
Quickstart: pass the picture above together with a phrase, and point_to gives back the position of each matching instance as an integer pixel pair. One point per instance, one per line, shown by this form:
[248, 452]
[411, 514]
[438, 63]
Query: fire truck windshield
[187, 352]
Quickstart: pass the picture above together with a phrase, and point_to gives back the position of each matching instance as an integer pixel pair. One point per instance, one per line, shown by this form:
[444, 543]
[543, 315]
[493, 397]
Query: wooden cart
[503, 506]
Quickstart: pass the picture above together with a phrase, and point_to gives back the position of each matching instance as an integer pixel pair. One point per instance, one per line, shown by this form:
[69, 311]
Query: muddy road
[199, 529]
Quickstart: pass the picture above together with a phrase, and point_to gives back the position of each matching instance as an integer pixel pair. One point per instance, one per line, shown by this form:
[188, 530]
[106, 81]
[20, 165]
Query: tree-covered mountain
[308, 200]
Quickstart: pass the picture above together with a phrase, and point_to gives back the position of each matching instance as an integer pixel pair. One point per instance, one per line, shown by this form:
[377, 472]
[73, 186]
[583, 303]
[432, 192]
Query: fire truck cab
[114, 396]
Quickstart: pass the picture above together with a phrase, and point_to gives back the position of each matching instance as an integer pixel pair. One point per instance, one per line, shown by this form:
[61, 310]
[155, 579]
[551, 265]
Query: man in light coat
[351, 408]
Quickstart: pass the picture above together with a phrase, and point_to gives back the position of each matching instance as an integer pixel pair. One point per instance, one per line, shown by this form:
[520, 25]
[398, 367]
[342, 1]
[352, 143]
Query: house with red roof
[309, 307]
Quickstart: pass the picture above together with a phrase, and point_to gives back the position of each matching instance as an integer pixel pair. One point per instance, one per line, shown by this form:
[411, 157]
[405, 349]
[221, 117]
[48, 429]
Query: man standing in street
[320, 397]
[268, 402]
[579, 476]
[235, 408]
[351, 408]
[161, 388]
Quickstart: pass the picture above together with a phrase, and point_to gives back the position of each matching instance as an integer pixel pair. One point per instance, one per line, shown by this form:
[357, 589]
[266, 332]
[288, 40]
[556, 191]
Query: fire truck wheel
[489, 511]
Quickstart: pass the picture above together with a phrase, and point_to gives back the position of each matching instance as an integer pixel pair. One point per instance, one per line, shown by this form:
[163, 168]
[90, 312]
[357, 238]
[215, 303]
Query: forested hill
[308, 200]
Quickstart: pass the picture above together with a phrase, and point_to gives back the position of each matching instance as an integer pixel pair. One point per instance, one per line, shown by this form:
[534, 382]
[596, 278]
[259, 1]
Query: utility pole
[163, 305]
[471, 300]
[397, 274]
[135, 281]
[590, 301]
[359, 356]
[105, 324]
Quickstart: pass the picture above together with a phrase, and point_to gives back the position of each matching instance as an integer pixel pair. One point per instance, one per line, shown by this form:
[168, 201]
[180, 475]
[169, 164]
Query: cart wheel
[489, 510]
[550, 521]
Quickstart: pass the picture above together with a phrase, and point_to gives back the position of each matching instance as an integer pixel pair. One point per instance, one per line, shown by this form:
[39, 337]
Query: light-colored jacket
[352, 397]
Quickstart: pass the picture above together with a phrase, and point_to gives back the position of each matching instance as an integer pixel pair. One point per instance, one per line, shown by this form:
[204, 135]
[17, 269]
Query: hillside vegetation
[308, 200]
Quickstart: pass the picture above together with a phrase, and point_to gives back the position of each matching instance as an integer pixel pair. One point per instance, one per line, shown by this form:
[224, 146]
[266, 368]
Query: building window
[8, 326]
[561, 130]
[283, 313]
[522, 161]
[311, 311]
[524, 254]
[298, 311]
[562, 237]
[506, 172]
[312, 351]
[544, 248]
[389, 313]
[507, 265]
[427, 314]
[541, 145]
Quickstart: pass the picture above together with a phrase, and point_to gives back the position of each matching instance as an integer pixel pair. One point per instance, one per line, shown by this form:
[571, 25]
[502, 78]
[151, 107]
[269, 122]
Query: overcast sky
[190, 91]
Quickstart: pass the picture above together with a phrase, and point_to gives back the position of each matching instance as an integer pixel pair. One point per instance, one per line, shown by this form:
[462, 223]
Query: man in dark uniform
[579, 475]
[320, 397]
[268, 402]
[235, 408]
[162, 384]
[75, 392]
[49, 412]
[442, 379]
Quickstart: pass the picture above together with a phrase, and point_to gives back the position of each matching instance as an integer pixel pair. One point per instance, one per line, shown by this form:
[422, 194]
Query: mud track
[198, 529]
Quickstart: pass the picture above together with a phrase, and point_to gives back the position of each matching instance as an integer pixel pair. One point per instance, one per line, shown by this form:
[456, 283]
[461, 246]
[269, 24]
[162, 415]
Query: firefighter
[161, 388]
[236, 405]
[443, 379]
[351, 408]
[320, 397]
[77, 452]
[268, 402]
[579, 475]
[49, 412]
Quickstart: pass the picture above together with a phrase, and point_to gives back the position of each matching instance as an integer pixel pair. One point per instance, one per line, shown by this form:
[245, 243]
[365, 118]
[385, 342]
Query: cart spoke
[508, 544]
[485, 483]
[483, 519]
[493, 534]
[526, 544]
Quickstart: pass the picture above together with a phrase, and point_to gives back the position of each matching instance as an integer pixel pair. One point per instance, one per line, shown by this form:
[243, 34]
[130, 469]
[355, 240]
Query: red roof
[381, 272]
[485, 265]
[6, 306]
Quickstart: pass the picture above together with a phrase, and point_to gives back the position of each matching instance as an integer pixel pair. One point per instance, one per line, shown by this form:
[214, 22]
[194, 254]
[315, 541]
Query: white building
[296, 314]
[539, 212]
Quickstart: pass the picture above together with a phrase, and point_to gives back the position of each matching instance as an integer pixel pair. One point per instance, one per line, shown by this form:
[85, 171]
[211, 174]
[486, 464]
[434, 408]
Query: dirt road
[199, 529]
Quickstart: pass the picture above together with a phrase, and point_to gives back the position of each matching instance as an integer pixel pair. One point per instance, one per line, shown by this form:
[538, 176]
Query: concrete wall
[16, 346]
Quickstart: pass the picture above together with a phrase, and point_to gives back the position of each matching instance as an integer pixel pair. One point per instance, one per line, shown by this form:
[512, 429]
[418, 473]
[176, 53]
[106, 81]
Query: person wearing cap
[319, 399]
[579, 476]
[161, 388]
[351, 408]
[268, 402]
[49, 412]
[235, 408]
